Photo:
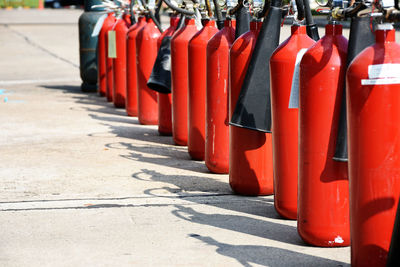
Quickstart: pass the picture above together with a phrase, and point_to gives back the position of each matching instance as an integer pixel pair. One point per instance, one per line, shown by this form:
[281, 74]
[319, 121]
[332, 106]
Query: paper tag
[112, 46]
[294, 91]
[99, 25]
[388, 3]
[381, 71]
[380, 81]
[381, 74]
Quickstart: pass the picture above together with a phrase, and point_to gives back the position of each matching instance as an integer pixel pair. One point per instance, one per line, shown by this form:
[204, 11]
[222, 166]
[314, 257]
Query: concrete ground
[82, 184]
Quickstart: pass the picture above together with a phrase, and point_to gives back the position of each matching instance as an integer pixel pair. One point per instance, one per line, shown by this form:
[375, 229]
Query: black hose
[263, 13]
[151, 15]
[351, 11]
[218, 14]
[312, 29]
[242, 19]
[181, 22]
[235, 9]
[300, 9]
[178, 9]
[158, 9]
[133, 19]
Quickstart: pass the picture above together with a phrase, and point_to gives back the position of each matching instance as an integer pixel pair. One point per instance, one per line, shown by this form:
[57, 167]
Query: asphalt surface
[82, 184]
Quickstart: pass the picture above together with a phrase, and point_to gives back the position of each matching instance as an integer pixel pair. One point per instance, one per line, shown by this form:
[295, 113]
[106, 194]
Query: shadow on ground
[198, 189]
[247, 255]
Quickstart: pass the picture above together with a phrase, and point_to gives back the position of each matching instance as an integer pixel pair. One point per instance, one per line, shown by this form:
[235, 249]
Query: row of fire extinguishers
[316, 122]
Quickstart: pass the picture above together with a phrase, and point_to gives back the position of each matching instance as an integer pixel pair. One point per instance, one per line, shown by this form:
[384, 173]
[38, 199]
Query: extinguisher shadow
[88, 99]
[334, 170]
[263, 227]
[165, 156]
[196, 188]
[118, 119]
[108, 109]
[140, 133]
[248, 255]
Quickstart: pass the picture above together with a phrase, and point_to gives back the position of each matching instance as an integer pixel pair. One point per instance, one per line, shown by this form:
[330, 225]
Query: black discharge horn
[360, 38]
[242, 16]
[160, 77]
[253, 108]
[312, 29]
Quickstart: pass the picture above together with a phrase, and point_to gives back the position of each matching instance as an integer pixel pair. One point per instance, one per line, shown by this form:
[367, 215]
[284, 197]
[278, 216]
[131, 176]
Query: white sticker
[381, 74]
[388, 3]
[380, 81]
[112, 46]
[381, 71]
[294, 91]
[99, 24]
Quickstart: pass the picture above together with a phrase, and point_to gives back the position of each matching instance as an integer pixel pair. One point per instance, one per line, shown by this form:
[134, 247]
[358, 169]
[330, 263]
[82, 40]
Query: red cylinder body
[102, 53]
[197, 89]
[373, 106]
[119, 64]
[131, 75]
[146, 53]
[109, 62]
[165, 100]
[323, 199]
[179, 79]
[250, 162]
[285, 121]
[217, 121]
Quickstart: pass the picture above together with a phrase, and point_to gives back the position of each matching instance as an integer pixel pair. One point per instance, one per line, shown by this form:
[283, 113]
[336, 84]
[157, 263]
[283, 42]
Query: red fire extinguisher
[179, 79]
[146, 53]
[131, 76]
[109, 62]
[323, 199]
[165, 100]
[250, 173]
[217, 122]
[197, 89]
[284, 68]
[373, 106]
[119, 63]
[102, 53]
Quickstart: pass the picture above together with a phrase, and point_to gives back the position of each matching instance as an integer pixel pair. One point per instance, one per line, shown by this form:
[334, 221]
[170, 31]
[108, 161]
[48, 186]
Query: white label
[294, 91]
[388, 3]
[99, 24]
[381, 74]
[380, 81]
[381, 71]
[112, 46]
